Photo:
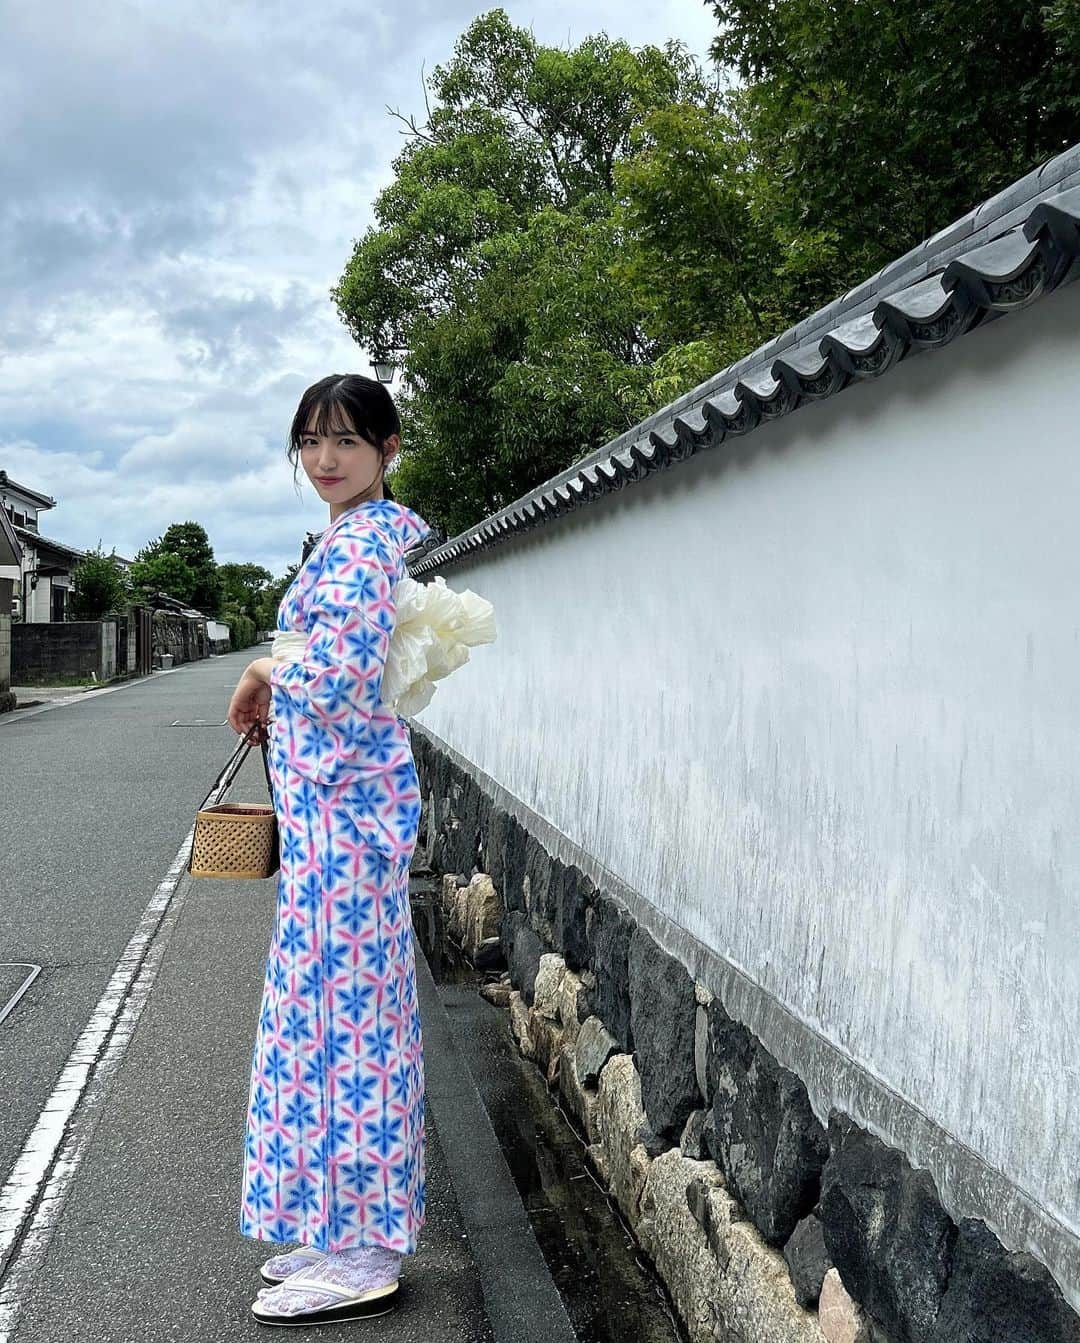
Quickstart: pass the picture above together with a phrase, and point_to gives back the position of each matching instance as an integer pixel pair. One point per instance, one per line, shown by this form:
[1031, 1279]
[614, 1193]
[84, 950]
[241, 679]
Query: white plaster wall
[823, 711]
[38, 599]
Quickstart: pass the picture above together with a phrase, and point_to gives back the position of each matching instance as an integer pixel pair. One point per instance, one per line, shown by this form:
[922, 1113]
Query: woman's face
[344, 467]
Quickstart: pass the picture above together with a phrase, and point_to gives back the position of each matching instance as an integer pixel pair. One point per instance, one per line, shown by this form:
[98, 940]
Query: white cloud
[183, 185]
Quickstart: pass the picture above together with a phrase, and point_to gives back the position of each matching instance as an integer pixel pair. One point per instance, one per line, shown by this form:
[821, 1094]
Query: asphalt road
[142, 1242]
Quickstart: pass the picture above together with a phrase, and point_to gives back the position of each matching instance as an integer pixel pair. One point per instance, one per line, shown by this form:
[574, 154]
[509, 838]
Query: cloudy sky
[183, 183]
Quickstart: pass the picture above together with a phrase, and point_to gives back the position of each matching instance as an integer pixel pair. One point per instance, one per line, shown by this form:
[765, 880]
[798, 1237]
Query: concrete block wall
[47, 650]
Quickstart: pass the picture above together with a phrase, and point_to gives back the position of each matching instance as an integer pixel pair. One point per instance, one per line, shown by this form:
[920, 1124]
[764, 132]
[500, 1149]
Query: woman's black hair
[367, 403]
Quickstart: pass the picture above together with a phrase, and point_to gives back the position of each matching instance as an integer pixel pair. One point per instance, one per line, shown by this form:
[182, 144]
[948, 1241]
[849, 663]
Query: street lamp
[386, 366]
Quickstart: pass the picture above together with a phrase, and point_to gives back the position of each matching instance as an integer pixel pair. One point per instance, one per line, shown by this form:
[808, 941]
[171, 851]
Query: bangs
[327, 412]
[330, 418]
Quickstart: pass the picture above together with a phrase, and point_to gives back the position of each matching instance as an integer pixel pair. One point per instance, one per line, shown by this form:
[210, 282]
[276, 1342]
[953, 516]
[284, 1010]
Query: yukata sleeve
[329, 695]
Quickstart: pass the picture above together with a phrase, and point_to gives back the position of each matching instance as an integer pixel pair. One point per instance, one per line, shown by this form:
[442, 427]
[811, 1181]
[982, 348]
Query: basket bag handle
[231, 767]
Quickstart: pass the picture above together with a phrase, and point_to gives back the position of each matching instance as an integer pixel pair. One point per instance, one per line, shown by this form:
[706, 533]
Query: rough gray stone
[885, 1231]
[594, 1046]
[580, 1100]
[484, 809]
[548, 984]
[547, 1038]
[697, 1199]
[497, 993]
[480, 916]
[701, 1042]
[519, 1025]
[494, 855]
[609, 930]
[692, 1141]
[619, 1119]
[994, 1295]
[568, 998]
[653, 1142]
[522, 949]
[807, 1260]
[841, 1318]
[767, 1140]
[539, 866]
[663, 1013]
[708, 1133]
[489, 954]
[454, 851]
[584, 994]
[512, 873]
[575, 894]
[727, 1285]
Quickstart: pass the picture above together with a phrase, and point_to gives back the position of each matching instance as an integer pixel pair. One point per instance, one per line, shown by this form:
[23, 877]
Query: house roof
[163, 601]
[1003, 255]
[36, 539]
[35, 496]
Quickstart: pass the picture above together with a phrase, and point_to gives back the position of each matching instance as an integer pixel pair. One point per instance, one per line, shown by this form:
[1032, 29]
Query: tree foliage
[491, 265]
[573, 238]
[98, 585]
[269, 598]
[243, 585]
[181, 560]
[158, 572]
[875, 124]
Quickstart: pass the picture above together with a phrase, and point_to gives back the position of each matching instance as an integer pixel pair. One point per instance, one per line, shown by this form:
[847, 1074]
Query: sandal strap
[314, 1285]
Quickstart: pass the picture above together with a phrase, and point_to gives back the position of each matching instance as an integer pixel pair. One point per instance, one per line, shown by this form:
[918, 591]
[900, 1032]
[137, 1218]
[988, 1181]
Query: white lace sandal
[308, 1252]
[352, 1306]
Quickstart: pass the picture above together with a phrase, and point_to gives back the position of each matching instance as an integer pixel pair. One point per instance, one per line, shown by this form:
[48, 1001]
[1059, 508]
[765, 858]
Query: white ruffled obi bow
[434, 628]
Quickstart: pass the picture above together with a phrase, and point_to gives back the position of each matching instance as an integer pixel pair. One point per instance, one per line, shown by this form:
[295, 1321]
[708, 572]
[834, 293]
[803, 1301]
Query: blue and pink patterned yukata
[334, 1153]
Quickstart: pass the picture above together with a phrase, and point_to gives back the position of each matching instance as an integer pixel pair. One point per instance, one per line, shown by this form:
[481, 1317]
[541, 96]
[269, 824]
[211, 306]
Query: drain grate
[14, 981]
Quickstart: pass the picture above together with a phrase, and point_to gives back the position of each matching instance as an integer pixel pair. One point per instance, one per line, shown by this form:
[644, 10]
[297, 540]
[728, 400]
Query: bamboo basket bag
[236, 839]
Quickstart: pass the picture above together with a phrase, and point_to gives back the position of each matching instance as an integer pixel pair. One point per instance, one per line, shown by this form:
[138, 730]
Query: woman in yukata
[334, 1153]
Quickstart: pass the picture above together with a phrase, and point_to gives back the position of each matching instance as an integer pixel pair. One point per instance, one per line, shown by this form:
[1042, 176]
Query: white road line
[32, 1199]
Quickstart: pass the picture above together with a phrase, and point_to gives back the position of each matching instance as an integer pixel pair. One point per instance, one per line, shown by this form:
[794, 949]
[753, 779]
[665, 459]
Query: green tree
[875, 124]
[266, 606]
[157, 572]
[99, 585]
[243, 585]
[700, 259]
[490, 265]
[574, 238]
[189, 543]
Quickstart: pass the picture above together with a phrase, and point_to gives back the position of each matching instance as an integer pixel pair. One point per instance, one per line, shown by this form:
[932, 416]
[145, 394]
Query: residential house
[43, 584]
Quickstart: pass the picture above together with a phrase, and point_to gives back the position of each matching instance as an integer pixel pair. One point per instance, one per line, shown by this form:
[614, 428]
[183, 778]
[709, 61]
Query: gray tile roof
[37, 540]
[45, 500]
[1002, 255]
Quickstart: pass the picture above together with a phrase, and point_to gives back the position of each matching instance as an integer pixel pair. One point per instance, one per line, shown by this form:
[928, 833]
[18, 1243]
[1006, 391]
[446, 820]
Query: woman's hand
[250, 702]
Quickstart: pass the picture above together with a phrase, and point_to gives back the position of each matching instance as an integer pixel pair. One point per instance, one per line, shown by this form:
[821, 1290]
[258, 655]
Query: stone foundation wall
[183, 637]
[765, 1225]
